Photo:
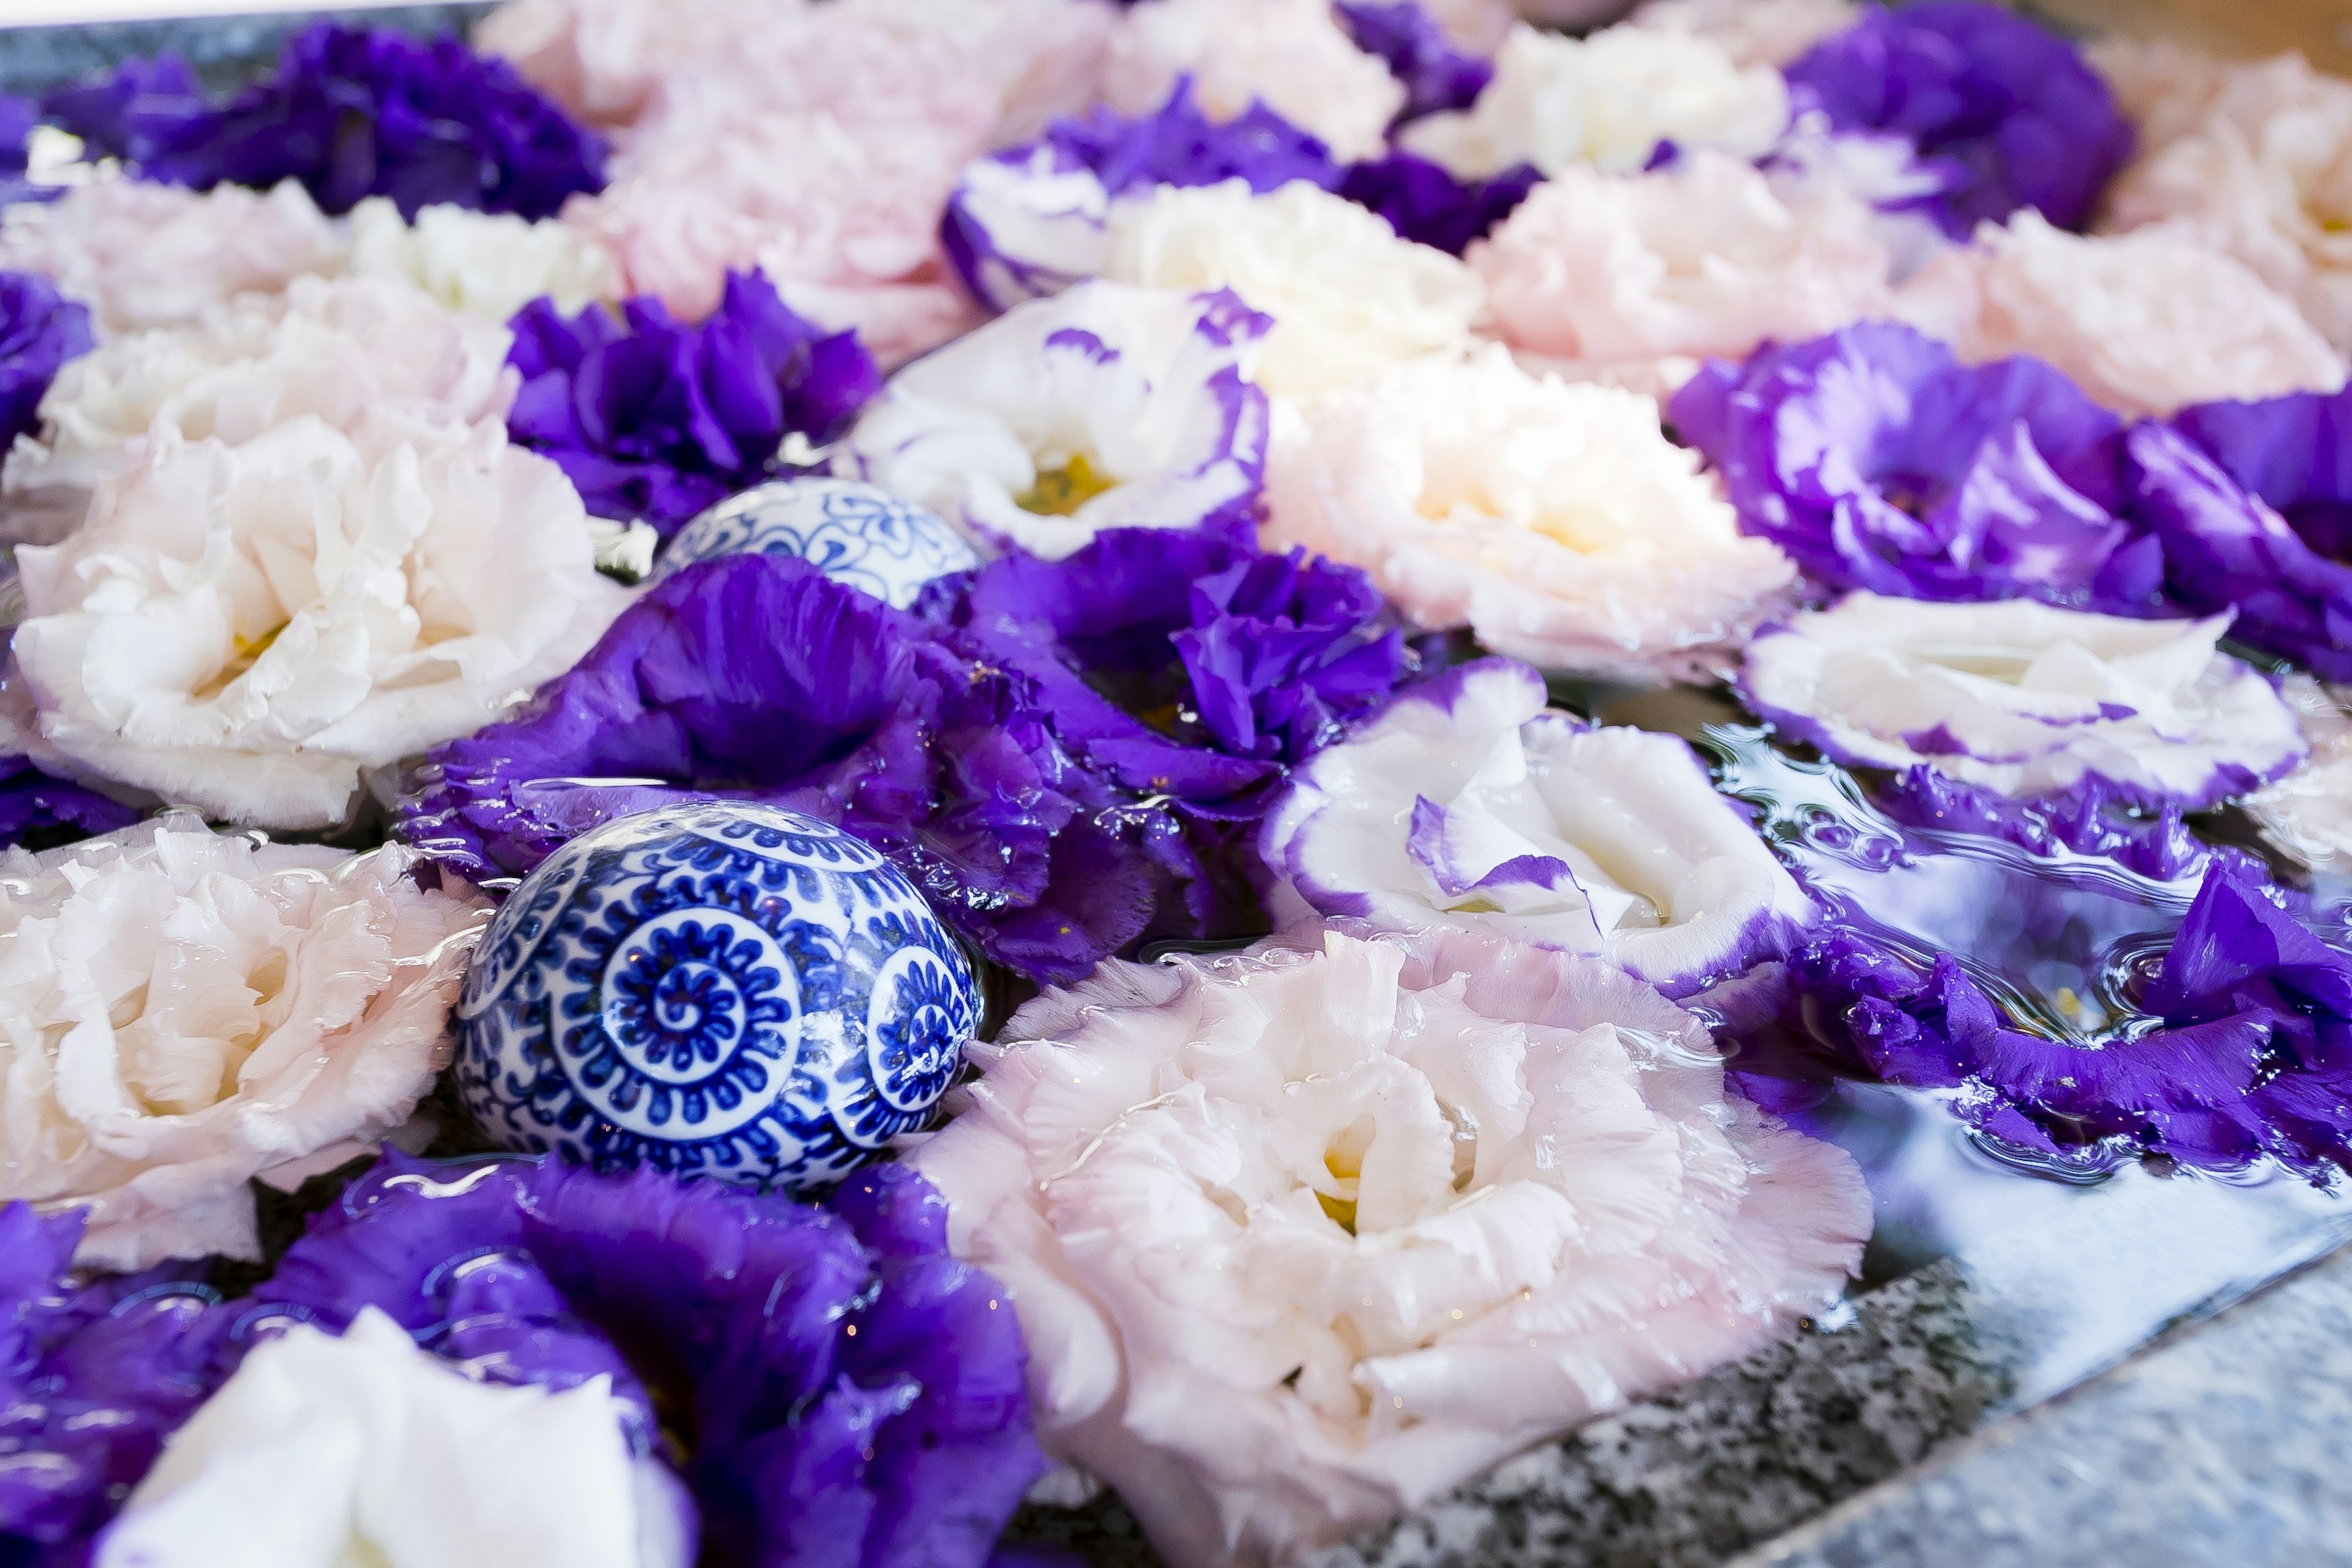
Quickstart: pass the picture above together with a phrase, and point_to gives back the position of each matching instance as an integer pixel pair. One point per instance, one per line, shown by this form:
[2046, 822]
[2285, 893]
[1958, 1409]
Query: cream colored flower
[1607, 101]
[1347, 297]
[1553, 518]
[1753, 32]
[1300, 1239]
[181, 1012]
[246, 628]
[1293, 56]
[488, 264]
[2308, 813]
[1636, 278]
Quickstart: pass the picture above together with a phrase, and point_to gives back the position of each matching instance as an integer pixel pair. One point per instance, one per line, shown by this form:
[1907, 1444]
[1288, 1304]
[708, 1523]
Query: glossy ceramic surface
[855, 534]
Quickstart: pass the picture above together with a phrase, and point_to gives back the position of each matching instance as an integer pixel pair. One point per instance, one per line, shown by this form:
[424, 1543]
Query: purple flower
[2256, 512]
[2014, 108]
[1176, 144]
[1877, 460]
[1425, 203]
[2093, 819]
[654, 420]
[1437, 76]
[350, 112]
[18, 116]
[50, 811]
[41, 330]
[757, 678]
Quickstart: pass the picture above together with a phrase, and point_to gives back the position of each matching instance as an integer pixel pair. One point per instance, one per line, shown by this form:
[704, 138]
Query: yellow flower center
[1060, 493]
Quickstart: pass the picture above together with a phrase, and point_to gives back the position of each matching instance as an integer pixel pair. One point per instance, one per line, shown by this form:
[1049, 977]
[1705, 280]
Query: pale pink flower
[1638, 278]
[1303, 1238]
[2148, 321]
[2308, 813]
[603, 59]
[181, 1012]
[141, 254]
[1292, 55]
[1753, 32]
[1554, 519]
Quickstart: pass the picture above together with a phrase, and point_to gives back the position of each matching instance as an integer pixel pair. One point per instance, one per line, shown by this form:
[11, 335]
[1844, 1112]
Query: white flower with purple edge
[2023, 698]
[1105, 406]
[1468, 805]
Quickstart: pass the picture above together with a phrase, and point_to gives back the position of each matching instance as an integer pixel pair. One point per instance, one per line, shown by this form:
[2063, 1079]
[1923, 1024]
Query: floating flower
[751, 678]
[144, 256]
[35, 804]
[1436, 76]
[373, 1448]
[188, 1011]
[1302, 1239]
[1347, 296]
[2308, 813]
[2146, 322]
[603, 60]
[1467, 806]
[246, 628]
[2250, 160]
[654, 420]
[1877, 460]
[2012, 104]
[2093, 818]
[2023, 698]
[41, 330]
[1636, 278]
[1753, 32]
[1293, 56]
[1554, 520]
[489, 264]
[1426, 205]
[1103, 407]
[1608, 100]
[345, 351]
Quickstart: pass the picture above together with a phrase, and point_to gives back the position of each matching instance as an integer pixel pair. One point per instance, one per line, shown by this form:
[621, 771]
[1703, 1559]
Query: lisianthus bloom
[1426, 205]
[1436, 76]
[2093, 818]
[488, 264]
[1103, 407]
[1877, 460]
[1636, 278]
[603, 60]
[2025, 699]
[1753, 32]
[1293, 56]
[1300, 1239]
[654, 420]
[356, 112]
[2146, 322]
[1467, 806]
[187, 1011]
[2308, 813]
[1035, 219]
[754, 677]
[37, 805]
[143, 256]
[374, 1448]
[2251, 160]
[343, 351]
[1347, 296]
[247, 628]
[41, 330]
[1607, 101]
[2012, 104]
[1553, 518]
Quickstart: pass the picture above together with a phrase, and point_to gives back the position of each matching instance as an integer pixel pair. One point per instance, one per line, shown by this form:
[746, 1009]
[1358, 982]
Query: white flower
[1347, 297]
[1466, 806]
[1753, 32]
[345, 351]
[1301, 1240]
[489, 264]
[181, 1012]
[1636, 278]
[2022, 698]
[144, 256]
[1103, 407]
[1029, 227]
[2264, 175]
[1608, 100]
[1554, 519]
[2308, 813]
[246, 628]
[2147, 322]
[1291, 55]
[364, 1448]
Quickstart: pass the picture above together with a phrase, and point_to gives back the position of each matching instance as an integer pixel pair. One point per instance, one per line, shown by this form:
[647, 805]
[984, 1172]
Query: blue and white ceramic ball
[855, 534]
[714, 989]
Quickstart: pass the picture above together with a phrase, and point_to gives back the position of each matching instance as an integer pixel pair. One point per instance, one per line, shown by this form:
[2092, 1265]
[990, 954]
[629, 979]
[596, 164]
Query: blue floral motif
[714, 989]
[855, 534]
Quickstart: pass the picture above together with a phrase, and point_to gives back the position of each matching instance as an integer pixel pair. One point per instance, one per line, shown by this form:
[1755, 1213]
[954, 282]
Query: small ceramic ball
[855, 534]
[714, 989]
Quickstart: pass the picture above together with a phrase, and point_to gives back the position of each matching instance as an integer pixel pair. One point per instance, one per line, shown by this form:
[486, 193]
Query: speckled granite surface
[224, 49]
